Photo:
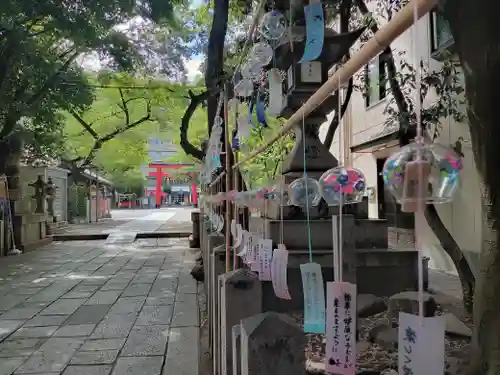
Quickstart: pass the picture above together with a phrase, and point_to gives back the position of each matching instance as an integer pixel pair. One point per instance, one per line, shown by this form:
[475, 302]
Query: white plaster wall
[366, 163]
[463, 216]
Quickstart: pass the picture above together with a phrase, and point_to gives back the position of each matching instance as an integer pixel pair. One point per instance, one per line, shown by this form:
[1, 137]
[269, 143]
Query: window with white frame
[441, 37]
[375, 81]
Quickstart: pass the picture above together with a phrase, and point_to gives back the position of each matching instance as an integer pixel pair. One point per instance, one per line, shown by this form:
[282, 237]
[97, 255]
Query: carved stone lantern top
[335, 47]
[38, 185]
[50, 187]
[297, 7]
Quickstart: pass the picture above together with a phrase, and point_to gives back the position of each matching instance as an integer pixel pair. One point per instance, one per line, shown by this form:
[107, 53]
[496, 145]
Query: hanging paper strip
[261, 114]
[421, 345]
[237, 232]
[254, 259]
[250, 109]
[265, 256]
[244, 243]
[315, 30]
[250, 248]
[340, 351]
[275, 92]
[279, 266]
[314, 298]
[243, 128]
[236, 142]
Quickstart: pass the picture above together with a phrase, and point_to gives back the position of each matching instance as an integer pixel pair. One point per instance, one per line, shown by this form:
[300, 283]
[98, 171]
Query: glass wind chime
[437, 167]
[211, 164]
[422, 173]
[340, 184]
[249, 91]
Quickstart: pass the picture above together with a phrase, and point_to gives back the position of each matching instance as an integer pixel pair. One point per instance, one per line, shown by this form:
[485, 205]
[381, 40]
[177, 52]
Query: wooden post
[228, 181]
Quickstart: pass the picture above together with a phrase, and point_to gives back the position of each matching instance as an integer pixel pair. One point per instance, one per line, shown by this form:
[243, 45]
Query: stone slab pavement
[168, 219]
[87, 308]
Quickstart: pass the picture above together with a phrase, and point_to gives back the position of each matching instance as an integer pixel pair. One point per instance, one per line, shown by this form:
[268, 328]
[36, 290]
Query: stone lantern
[39, 194]
[50, 191]
[302, 81]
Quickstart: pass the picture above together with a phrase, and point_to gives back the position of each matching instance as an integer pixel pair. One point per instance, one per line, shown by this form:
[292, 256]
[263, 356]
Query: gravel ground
[374, 357]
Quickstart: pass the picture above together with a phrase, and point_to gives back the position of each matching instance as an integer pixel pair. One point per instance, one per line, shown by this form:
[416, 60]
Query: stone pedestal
[272, 345]
[318, 158]
[400, 238]
[3, 252]
[236, 349]
[296, 241]
[194, 239]
[212, 272]
[30, 231]
[240, 298]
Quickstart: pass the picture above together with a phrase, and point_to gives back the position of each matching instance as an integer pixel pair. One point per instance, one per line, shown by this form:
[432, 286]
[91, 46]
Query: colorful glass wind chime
[212, 163]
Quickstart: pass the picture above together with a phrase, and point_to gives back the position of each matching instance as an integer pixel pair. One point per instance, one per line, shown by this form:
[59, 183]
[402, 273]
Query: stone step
[359, 233]
[376, 272]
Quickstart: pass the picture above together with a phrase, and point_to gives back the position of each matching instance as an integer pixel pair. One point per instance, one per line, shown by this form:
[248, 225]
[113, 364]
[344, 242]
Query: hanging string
[341, 203]
[210, 194]
[282, 194]
[419, 139]
[264, 228]
[308, 221]
[291, 26]
[236, 187]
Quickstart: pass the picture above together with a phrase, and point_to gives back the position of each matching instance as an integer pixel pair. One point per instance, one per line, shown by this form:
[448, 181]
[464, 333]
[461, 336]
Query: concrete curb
[103, 236]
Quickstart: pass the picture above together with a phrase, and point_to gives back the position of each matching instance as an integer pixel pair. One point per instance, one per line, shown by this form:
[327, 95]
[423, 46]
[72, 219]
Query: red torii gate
[160, 171]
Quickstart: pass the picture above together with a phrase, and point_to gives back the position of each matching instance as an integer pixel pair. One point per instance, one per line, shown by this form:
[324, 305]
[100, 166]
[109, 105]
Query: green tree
[41, 42]
[477, 44]
[112, 133]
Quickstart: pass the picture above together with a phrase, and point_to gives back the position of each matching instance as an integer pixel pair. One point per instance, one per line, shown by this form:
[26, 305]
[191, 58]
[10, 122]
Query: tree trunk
[473, 26]
[214, 73]
[451, 247]
[10, 155]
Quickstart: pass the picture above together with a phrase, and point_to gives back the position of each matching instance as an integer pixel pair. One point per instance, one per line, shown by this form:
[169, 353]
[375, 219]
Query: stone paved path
[86, 308]
[138, 220]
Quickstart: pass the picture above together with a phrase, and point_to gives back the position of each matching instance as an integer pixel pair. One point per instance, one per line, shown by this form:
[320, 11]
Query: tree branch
[8, 127]
[332, 128]
[112, 114]
[390, 64]
[345, 10]
[84, 124]
[186, 145]
[118, 131]
[100, 141]
[124, 107]
[50, 81]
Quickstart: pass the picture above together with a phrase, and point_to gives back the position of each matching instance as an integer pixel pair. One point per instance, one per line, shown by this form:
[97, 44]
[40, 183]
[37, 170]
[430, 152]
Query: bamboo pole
[217, 179]
[227, 141]
[401, 22]
[236, 188]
